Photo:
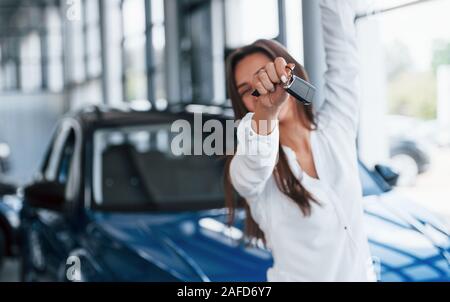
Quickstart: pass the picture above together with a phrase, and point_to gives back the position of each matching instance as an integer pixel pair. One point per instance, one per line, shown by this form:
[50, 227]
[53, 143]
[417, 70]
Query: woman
[297, 168]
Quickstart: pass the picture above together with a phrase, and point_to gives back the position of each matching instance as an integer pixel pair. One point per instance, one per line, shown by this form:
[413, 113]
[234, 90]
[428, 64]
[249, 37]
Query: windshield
[134, 169]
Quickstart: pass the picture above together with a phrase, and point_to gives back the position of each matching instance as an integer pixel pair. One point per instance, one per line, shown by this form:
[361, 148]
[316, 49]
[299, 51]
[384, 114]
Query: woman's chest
[284, 213]
[305, 159]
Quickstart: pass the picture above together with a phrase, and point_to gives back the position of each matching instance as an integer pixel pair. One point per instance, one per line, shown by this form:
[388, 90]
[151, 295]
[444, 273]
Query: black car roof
[93, 117]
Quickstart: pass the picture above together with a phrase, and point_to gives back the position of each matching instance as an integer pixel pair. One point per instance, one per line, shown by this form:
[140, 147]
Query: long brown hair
[284, 178]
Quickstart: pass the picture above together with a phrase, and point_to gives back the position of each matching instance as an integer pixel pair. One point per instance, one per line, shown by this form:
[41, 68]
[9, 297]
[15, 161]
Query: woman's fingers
[272, 73]
[265, 80]
[280, 66]
[257, 84]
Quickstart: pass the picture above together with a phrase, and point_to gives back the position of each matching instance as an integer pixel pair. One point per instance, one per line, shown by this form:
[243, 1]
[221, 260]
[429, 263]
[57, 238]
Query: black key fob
[299, 89]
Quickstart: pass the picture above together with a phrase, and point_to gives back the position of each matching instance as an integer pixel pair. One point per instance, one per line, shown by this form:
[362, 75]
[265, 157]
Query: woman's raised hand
[268, 82]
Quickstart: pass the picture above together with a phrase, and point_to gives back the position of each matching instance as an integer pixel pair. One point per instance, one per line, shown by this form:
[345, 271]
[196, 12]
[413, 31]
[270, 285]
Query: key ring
[291, 68]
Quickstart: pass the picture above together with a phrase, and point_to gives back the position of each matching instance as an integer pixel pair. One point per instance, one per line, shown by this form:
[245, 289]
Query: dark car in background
[410, 146]
[409, 158]
[112, 202]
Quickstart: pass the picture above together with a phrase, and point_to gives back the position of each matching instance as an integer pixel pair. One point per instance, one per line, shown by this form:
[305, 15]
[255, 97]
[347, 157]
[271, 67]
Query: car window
[60, 157]
[65, 161]
[50, 155]
[52, 162]
[135, 169]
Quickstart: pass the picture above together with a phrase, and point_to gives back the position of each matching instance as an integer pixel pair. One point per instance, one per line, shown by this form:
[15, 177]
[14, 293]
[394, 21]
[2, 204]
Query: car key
[298, 88]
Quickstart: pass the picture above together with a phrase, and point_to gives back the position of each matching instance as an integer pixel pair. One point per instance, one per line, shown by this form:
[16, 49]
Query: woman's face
[244, 72]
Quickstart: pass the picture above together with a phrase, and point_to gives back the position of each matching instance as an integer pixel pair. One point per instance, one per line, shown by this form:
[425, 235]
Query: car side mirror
[387, 174]
[7, 189]
[46, 195]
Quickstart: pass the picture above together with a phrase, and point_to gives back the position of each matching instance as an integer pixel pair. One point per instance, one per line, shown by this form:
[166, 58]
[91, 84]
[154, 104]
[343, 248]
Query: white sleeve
[255, 159]
[341, 104]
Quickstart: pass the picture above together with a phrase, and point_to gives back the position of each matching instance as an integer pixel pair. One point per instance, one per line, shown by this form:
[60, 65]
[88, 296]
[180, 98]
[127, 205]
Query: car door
[49, 234]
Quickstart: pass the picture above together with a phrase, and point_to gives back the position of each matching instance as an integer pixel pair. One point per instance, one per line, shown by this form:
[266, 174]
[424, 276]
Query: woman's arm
[258, 134]
[341, 103]
[255, 158]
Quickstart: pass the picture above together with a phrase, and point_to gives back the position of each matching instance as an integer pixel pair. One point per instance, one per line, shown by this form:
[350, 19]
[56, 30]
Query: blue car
[113, 202]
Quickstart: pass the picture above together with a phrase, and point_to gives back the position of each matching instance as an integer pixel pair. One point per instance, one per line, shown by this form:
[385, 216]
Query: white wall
[26, 124]
[372, 140]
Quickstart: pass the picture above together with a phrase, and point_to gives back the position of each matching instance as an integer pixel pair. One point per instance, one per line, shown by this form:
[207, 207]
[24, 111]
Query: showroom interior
[64, 56]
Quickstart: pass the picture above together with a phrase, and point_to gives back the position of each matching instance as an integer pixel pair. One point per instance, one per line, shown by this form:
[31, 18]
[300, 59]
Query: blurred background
[61, 55]
[405, 114]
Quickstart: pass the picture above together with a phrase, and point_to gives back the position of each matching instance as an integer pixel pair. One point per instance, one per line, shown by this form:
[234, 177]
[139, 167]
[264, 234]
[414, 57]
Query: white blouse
[330, 244]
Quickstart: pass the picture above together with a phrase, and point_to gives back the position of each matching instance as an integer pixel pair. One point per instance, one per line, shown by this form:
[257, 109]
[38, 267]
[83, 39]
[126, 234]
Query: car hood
[195, 246]
[408, 242]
